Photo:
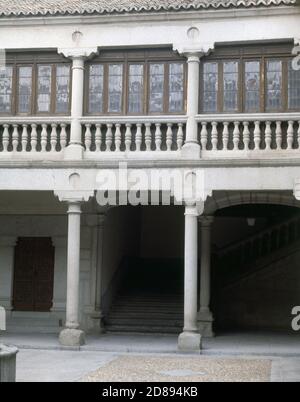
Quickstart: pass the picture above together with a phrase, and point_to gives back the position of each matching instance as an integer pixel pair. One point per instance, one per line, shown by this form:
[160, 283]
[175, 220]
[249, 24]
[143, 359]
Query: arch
[225, 199]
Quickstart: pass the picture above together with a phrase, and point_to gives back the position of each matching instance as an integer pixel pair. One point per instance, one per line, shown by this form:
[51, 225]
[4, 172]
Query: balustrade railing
[237, 259]
[33, 136]
[138, 135]
[254, 134]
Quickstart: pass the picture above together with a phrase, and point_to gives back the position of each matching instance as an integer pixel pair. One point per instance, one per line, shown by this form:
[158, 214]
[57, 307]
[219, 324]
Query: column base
[191, 150]
[73, 152]
[97, 322]
[205, 323]
[72, 337]
[189, 342]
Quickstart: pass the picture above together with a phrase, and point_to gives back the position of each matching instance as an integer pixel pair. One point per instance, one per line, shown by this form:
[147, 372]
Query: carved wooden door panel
[33, 274]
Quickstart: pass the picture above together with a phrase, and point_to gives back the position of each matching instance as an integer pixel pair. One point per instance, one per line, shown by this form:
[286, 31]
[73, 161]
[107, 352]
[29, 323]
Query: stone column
[190, 340]
[59, 293]
[97, 223]
[7, 246]
[192, 147]
[78, 56]
[205, 317]
[72, 335]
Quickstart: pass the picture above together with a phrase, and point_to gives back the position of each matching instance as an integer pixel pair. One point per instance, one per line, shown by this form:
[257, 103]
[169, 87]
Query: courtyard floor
[232, 357]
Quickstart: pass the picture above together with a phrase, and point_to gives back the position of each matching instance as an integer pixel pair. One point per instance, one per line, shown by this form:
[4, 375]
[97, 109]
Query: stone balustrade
[133, 135]
[249, 135]
[239, 257]
[31, 138]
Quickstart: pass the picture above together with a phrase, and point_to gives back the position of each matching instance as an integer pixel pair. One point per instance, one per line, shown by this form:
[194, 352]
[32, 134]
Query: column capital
[206, 220]
[94, 220]
[8, 241]
[81, 53]
[193, 52]
[74, 197]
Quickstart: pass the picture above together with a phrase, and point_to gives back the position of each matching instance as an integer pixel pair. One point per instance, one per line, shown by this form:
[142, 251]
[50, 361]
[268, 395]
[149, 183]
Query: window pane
[44, 88]
[157, 79]
[115, 86]
[5, 89]
[293, 88]
[176, 79]
[96, 88]
[24, 89]
[230, 85]
[252, 86]
[274, 85]
[210, 87]
[136, 88]
[62, 89]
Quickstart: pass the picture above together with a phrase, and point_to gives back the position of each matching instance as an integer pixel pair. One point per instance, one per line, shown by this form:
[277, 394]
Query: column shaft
[73, 270]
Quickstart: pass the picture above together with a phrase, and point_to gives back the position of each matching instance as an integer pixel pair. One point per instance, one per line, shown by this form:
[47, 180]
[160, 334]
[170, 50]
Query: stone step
[146, 315]
[139, 329]
[146, 322]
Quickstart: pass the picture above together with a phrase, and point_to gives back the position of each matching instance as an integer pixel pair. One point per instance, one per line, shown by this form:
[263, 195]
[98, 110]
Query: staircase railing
[237, 259]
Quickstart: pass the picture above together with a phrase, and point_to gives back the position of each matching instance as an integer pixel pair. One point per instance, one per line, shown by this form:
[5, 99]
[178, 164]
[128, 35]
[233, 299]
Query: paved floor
[232, 357]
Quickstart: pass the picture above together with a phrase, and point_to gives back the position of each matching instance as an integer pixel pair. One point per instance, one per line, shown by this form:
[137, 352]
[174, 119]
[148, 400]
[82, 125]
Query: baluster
[204, 136]
[109, 137]
[268, 135]
[53, 137]
[148, 137]
[128, 137]
[298, 135]
[180, 136]
[88, 137]
[158, 137]
[169, 137]
[34, 137]
[15, 138]
[290, 135]
[118, 137]
[257, 135]
[63, 136]
[138, 137]
[24, 138]
[225, 135]
[98, 138]
[246, 135]
[236, 135]
[5, 139]
[214, 136]
[44, 137]
[278, 135]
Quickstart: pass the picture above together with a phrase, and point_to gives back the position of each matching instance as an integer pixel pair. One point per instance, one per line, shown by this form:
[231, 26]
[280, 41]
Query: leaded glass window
[293, 87]
[176, 87]
[96, 78]
[62, 88]
[274, 85]
[157, 81]
[136, 88]
[24, 89]
[115, 88]
[6, 74]
[210, 87]
[230, 86]
[44, 88]
[252, 86]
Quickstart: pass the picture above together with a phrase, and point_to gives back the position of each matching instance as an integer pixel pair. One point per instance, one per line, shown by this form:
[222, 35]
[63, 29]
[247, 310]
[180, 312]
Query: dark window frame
[263, 54]
[144, 58]
[34, 60]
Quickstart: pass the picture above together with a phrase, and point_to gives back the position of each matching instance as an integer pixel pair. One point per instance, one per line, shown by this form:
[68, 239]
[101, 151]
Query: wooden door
[33, 274]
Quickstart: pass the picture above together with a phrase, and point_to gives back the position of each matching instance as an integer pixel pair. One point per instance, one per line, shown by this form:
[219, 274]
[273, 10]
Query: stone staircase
[150, 301]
